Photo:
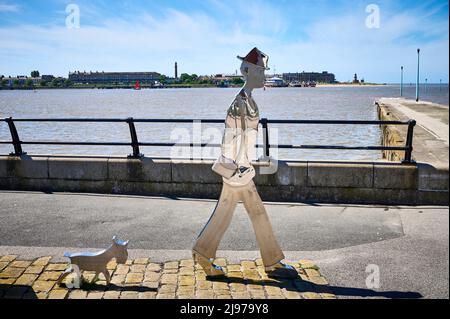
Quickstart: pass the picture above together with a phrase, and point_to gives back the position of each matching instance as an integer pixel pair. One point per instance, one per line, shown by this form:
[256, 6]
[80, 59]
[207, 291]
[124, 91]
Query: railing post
[134, 140]
[15, 138]
[409, 142]
[266, 146]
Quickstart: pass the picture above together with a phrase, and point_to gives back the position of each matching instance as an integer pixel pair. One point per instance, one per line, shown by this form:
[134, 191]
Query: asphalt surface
[409, 245]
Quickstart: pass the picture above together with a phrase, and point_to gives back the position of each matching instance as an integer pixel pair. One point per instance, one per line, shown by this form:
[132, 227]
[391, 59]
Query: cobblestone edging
[142, 279]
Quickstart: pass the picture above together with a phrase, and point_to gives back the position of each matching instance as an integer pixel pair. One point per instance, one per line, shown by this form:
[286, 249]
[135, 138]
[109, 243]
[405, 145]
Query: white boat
[275, 82]
[295, 84]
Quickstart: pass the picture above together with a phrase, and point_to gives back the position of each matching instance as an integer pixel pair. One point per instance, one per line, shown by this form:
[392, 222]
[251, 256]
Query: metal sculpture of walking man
[234, 165]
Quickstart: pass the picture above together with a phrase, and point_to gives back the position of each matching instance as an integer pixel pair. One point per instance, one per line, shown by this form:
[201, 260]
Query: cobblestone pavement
[141, 279]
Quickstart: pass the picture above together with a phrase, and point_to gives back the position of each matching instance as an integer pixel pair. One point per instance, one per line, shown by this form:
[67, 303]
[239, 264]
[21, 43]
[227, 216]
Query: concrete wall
[326, 182]
[391, 135]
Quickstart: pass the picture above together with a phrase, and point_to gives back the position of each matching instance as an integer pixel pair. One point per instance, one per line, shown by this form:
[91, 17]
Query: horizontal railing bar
[338, 147]
[67, 120]
[355, 122]
[93, 120]
[117, 144]
[180, 144]
[281, 146]
[113, 143]
[76, 143]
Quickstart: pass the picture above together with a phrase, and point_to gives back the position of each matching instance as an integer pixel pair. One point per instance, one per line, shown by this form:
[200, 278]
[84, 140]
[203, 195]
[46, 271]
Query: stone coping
[305, 181]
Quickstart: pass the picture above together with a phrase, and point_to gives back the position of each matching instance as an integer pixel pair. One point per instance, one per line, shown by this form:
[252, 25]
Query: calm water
[333, 103]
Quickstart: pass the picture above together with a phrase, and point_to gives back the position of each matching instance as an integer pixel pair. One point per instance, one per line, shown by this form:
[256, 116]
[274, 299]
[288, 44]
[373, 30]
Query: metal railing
[135, 144]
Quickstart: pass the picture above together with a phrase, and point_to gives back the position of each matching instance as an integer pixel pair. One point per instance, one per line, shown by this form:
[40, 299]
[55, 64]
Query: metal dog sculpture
[95, 262]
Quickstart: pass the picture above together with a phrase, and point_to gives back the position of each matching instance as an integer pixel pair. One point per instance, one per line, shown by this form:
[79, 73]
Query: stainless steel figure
[234, 164]
[239, 144]
[209, 239]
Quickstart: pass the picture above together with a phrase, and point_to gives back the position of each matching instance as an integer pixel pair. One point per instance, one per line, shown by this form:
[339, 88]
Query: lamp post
[417, 80]
[401, 82]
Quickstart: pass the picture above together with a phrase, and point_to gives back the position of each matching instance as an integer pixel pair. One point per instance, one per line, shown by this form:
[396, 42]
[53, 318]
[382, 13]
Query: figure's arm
[241, 141]
[229, 146]
[226, 163]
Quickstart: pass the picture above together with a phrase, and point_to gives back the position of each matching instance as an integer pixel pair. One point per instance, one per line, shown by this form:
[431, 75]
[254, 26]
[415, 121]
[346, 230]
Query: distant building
[323, 77]
[47, 78]
[355, 79]
[114, 77]
[176, 70]
[223, 79]
[20, 79]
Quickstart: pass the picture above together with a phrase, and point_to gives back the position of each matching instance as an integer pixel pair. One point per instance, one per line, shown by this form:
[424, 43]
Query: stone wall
[324, 182]
[391, 135]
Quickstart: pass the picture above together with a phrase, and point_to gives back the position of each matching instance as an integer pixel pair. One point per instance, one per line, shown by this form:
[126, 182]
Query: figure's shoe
[281, 270]
[210, 269]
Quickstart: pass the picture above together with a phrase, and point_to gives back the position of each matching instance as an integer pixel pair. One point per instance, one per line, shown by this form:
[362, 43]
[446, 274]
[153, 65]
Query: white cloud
[148, 42]
[4, 7]
[344, 45]
[204, 45]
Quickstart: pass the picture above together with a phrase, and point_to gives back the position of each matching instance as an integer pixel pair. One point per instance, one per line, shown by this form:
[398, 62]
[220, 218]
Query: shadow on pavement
[303, 286]
[362, 292]
[113, 287]
[16, 292]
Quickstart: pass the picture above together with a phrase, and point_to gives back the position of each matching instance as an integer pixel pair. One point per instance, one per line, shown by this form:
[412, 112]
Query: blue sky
[205, 36]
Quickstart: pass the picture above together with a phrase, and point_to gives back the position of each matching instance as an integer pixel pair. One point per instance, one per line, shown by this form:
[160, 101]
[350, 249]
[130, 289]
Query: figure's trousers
[209, 238]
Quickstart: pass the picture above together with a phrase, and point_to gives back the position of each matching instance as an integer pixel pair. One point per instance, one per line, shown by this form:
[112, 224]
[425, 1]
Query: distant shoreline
[187, 86]
[112, 87]
[350, 84]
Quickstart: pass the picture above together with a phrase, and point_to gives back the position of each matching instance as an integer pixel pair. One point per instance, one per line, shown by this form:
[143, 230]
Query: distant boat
[310, 84]
[137, 85]
[295, 84]
[275, 82]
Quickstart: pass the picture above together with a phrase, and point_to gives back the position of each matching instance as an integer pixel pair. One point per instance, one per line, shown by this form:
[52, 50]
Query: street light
[417, 81]
[401, 82]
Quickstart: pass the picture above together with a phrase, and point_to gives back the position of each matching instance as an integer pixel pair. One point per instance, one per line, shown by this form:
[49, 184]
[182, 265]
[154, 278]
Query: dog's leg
[107, 276]
[77, 280]
[95, 277]
[64, 275]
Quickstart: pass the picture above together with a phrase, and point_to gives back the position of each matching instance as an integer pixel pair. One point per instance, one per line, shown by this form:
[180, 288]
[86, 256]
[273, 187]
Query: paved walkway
[142, 279]
[431, 136]
[432, 117]
[410, 245]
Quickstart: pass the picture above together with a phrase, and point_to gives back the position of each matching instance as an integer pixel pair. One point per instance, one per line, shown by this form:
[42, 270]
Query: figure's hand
[243, 175]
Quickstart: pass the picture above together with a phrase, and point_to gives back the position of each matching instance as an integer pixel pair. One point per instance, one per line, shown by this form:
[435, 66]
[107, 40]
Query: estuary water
[325, 103]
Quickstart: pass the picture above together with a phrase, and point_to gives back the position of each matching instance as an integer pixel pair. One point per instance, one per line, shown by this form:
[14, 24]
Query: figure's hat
[256, 57]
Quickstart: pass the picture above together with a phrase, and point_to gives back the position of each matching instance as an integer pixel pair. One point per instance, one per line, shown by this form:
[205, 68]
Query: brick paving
[142, 279]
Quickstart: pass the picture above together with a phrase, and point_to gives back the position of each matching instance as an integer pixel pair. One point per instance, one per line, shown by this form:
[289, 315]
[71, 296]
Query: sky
[370, 38]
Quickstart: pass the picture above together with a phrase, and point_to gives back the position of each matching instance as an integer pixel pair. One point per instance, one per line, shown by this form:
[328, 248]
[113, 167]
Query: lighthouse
[176, 70]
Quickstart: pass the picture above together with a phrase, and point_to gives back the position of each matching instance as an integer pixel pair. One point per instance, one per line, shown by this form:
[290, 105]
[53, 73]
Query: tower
[176, 70]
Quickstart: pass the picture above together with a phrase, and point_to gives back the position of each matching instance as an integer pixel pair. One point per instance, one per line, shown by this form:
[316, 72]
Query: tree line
[186, 78]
